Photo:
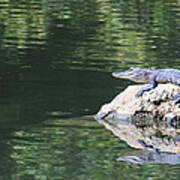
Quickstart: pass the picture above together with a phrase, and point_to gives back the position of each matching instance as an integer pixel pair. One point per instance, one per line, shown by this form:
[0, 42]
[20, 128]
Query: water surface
[56, 59]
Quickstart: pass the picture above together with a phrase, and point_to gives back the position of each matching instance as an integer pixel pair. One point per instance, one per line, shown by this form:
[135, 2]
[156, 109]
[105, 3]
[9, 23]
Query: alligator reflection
[159, 141]
[152, 157]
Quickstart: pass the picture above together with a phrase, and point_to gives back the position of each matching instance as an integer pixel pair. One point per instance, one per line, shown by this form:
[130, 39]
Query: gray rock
[156, 103]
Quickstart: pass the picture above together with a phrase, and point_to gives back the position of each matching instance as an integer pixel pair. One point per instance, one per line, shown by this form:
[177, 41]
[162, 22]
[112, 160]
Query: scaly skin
[152, 77]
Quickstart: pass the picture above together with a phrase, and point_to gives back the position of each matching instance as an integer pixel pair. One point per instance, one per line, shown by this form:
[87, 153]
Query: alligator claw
[139, 93]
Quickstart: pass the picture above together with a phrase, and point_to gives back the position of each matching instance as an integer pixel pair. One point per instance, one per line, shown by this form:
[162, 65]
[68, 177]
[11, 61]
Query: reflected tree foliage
[98, 35]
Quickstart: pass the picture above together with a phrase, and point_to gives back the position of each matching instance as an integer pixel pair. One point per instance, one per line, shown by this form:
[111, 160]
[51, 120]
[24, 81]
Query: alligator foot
[139, 93]
[147, 87]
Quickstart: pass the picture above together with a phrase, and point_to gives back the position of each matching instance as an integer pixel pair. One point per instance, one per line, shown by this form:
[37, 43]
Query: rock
[150, 122]
[156, 103]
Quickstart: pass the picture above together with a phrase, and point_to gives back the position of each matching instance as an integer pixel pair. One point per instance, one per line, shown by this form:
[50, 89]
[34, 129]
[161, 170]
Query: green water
[56, 59]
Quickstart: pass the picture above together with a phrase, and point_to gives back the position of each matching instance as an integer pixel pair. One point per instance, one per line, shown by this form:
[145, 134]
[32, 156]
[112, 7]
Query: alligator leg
[148, 87]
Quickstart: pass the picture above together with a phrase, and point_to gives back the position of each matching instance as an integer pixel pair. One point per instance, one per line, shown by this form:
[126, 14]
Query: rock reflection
[159, 141]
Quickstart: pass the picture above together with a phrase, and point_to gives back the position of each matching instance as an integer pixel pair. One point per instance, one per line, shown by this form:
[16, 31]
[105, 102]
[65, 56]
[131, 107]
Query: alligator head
[135, 74]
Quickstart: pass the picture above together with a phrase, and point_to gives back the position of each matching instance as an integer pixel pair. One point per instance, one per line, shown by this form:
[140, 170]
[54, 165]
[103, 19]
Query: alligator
[151, 76]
